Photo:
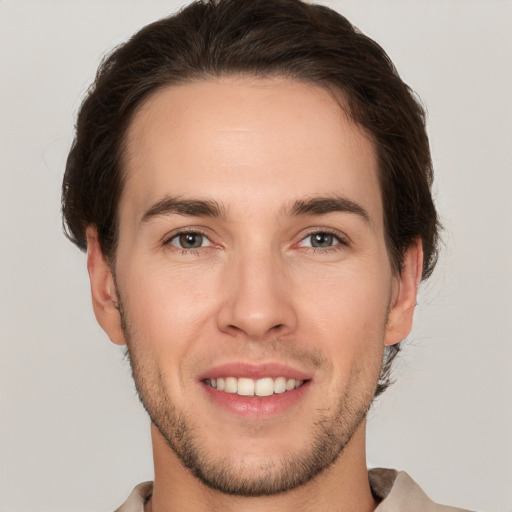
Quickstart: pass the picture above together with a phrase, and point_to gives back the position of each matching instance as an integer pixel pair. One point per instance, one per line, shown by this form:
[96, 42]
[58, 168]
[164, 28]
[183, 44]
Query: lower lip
[257, 406]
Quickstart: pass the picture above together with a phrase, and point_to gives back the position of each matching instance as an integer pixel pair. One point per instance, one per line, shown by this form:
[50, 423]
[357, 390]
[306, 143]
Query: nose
[257, 298]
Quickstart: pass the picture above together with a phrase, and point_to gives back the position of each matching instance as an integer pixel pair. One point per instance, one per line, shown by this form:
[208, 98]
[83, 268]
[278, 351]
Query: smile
[243, 386]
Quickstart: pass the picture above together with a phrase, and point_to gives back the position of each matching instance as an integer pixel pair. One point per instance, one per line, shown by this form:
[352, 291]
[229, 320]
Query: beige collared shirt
[397, 490]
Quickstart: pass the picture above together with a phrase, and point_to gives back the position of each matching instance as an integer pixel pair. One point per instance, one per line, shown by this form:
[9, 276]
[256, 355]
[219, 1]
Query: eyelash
[193, 251]
[341, 241]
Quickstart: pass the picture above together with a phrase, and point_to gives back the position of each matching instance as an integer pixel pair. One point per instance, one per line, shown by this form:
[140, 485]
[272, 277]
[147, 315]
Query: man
[251, 180]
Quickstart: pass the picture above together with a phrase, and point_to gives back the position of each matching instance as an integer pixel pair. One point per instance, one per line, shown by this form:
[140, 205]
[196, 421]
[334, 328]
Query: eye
[321, 240]
[189, 240]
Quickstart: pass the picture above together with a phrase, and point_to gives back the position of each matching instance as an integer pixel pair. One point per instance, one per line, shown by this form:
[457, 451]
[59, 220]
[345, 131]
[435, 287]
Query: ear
[103, 290]
[403, 302]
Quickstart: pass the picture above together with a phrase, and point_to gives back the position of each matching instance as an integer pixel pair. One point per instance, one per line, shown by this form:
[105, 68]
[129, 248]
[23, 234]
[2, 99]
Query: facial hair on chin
[330, 434]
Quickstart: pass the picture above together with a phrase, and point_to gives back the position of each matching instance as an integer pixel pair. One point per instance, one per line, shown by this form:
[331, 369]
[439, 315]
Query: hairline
[338, 94]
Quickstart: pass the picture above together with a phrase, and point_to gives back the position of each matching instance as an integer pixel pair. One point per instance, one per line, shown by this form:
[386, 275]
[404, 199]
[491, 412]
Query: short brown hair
[286, 38]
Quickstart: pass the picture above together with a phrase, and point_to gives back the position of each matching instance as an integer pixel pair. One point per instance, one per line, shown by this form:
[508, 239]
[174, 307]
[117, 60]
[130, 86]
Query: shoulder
[400, 493]
[135, 502]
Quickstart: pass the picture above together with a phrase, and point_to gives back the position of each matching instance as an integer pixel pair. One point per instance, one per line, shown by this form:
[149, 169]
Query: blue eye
[190, 241]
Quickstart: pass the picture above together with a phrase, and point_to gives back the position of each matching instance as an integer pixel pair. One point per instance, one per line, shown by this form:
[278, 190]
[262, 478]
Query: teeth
[264, 387]
[245, 387]
[231, 385]
[280, 385]
[249, 387]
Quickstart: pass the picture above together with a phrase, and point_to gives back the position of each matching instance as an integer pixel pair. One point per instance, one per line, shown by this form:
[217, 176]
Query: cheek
[348, 311]
[167, 309]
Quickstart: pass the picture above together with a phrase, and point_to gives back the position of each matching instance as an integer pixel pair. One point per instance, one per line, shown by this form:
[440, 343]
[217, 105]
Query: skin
[255, 291]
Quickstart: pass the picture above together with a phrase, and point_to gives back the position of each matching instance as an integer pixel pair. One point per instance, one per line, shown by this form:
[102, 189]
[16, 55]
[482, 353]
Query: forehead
[244, 141]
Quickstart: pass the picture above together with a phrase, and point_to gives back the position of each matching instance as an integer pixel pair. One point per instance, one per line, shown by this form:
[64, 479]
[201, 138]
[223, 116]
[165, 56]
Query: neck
[341, 487]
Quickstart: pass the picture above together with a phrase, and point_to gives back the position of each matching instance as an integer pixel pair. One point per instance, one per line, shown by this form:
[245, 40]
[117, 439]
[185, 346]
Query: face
[253, 278]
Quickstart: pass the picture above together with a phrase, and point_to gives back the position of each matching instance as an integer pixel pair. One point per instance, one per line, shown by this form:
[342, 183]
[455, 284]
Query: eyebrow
[192, 207]
[324, 205]
[210, 208]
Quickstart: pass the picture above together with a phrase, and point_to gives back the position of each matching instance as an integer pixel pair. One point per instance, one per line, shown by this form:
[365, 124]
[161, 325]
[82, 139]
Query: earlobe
[401, 311]
[103, 290]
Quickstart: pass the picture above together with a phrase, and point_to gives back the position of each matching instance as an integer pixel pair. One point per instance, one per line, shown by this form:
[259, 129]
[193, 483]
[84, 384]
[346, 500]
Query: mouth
[243, 386]
[256, 391]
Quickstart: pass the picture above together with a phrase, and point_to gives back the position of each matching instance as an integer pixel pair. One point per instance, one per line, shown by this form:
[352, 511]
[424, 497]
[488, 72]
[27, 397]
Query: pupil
[190, 240]
[322, 240]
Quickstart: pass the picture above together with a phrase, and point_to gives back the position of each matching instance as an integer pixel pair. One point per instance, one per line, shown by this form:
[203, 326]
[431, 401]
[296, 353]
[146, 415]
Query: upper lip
[254, 371]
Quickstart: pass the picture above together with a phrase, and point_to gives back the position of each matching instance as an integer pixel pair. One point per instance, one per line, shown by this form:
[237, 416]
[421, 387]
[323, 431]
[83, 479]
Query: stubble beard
[332, 431]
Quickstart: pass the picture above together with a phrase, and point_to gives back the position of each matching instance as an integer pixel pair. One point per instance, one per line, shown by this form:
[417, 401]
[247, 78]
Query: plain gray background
[73, 436]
